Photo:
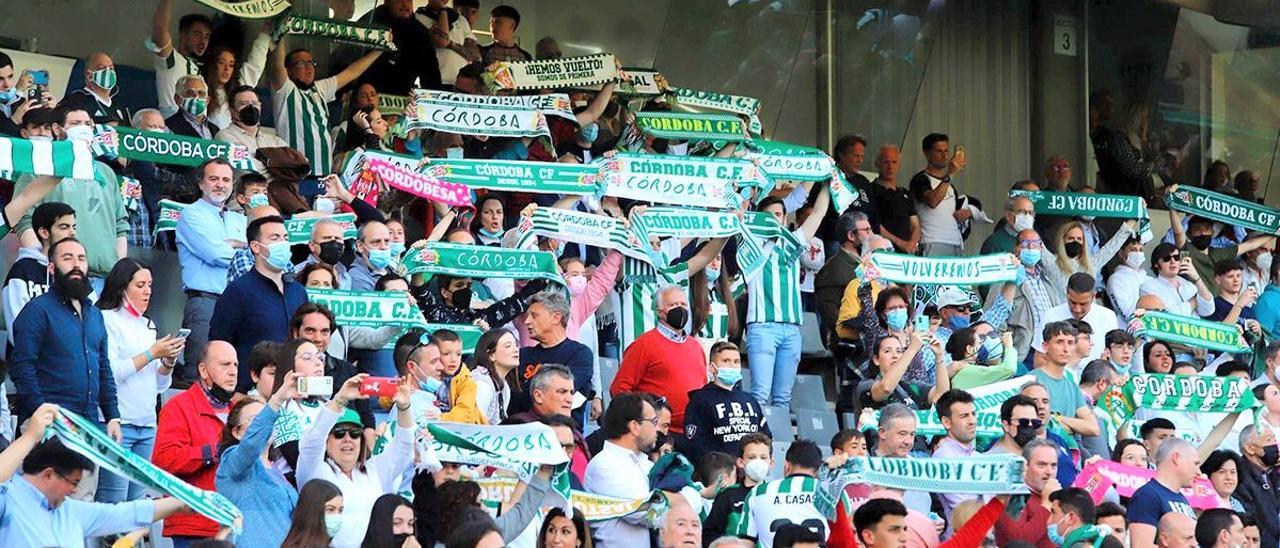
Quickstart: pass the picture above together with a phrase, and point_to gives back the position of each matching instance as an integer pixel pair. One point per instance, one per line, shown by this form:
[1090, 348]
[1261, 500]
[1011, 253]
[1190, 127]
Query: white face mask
[1135, 259]
[324, 205]
[757, 469]
[1024, 221]
[1264, 262]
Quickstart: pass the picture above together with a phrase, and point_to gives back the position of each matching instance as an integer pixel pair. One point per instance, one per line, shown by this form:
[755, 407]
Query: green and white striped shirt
[773, 294]
[640, 285]
[769, 506]
[168, 70]
[302, 119]
[716, 327]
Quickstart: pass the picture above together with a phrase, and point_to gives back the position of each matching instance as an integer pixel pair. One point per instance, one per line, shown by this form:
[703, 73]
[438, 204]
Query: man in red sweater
[665, 361]
[1031, 525]
[187, 436]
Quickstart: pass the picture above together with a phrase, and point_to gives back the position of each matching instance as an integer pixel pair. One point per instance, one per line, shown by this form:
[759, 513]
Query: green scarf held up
[1184, 393]
[167, 148]
[474, 115]
[687, 126]
[1079, 204]
[170, 212]
[52, 158]
[724, 102]
[392, 105]
[1225, 209]
[1177, 329]
[299, 228]
[517, 176]
[910, 269]
[249, 9]
[563, 72]
[473, 261]
[988, 474]
[522, 447]
[706, 182]
[369, 308]
[345, 32]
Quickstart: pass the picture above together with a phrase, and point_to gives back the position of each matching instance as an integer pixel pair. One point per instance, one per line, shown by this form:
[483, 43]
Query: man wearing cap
[955, 307]
[188, 432]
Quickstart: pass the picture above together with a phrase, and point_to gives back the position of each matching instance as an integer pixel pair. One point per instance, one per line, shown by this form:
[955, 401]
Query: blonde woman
[1072, 254]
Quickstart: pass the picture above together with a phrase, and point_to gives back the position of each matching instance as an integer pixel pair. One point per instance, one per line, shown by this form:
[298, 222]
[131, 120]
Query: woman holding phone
[141, 364]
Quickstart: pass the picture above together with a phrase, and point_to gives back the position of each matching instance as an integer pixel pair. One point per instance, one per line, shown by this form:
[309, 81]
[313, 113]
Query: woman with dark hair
[1131, 452]
[301, 358]
[141, 364]
[561, 531]
[318, 517]
[365, 129]
[490, 219]
[223, 73]
[715, 315]
[457, 498]
[245, 474]
[391, 524]
[497, 355]
[891, 316]
[334, 449]
[1157, 357]
[475, 529]
[1223, 468]
[318, 275]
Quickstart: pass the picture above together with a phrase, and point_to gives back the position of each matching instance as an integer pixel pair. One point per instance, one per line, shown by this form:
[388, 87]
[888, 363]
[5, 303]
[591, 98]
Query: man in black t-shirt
[895, 208]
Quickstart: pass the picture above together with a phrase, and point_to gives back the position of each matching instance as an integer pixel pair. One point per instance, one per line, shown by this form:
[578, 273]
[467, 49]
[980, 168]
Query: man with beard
[621, 469]
[60, 347]
[208, 236]
[955, 408]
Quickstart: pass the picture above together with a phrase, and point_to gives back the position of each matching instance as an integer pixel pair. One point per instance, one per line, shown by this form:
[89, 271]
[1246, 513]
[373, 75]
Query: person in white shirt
[244, 112]
[1177, 284]
[936, 199]
[621, 469]
[141, 363]
[463, 47]
[1124, 285]
[175, 60]
[1080, 305]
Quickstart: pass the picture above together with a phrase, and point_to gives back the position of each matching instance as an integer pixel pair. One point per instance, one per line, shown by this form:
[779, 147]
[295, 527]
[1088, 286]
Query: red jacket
[660, 366]
[1031, 525]
[187, 446]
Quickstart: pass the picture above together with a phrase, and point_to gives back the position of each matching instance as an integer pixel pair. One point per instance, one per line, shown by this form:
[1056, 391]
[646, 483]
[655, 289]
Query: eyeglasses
[73, 484]
[1029, 243]
[304, 62]
[653, 421]
[1028, 423]
[351, 433]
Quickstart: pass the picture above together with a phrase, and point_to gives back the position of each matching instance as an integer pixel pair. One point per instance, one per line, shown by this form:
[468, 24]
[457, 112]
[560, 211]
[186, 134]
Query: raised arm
[1175, 222]
[889, 378]
[277, 73]
[704, 256]
[12, 457]
[354, 70]
[30, 195]
[160, 28]
[820, 204]
[596, 108]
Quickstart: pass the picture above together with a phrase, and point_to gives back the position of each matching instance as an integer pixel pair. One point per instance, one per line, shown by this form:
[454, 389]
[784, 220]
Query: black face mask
[1202, 241]
[1024, 436]
[71, 288]
[1073, 249]
[1270, 456]
[330, 252]
[677, 317]
[220, 394]
[250, 115]
[461, 298]
[399, 539]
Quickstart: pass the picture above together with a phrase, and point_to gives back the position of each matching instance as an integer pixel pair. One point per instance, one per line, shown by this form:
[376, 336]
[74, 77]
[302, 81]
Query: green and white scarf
[910, 269]
[790, 162]
[473, 261]
[518, 176]
[71, 159]
[518, 447]
[724, 102]
[392, 105]
[709, 182]
[1189, 393]
[688, 126]
[762, 227]
[167, 148]
[249, 9]
[928, 424]
[679, 222]
[1177, 329]
[642, 82]
[989, 398]
[986, 474]
[576, 226]
[299, 228]
[419, 184]
[369, 308]
[565, 72]
[1225, 209]
[594, 508]
[1079, 204]
[84, 437]
[170, 212]
[472, 115]
[345, 32]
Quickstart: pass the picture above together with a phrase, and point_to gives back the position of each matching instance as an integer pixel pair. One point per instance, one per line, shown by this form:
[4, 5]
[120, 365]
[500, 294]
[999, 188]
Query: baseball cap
[950, 295]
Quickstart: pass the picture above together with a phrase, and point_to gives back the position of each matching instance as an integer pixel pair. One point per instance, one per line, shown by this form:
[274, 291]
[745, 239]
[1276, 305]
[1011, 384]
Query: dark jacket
[179, 125]
[1259, 493]
[415, 59]
[717, 419]
[252, 310]
[725, 514]
[60, 356]
[828, 288]
[436, 310]
[101, 114]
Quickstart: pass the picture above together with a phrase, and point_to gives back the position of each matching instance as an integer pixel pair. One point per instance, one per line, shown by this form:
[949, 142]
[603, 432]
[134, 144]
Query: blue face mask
[992, 349]
[6, 95]
[713, 274]
[379, 258]
[397, 248]
[1120, 368]
[959, 321]
[729, 375]
[589, 132]
[332, 524]
[1056, 537]
[431, 385]
[279, 256]
[258, 200]
[492, 234]
[896, 318]
[1029, 257]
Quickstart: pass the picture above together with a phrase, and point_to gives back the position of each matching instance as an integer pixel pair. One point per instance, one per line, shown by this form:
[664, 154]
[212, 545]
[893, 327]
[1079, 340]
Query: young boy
[262, 368]
[755, 459]
[460, 406]
[1119, 353]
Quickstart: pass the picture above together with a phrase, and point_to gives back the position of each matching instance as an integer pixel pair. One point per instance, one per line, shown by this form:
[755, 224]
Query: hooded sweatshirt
[28, 278]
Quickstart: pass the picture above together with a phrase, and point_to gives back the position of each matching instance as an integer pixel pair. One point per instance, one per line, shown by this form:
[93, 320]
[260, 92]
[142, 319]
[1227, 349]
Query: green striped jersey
[168, 70]
[772, 505]
[640, 285]
[773, 294]
[302, 119]
[717, 324]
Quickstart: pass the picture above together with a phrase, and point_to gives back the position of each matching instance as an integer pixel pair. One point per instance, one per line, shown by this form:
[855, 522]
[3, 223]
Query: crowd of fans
[679, 426]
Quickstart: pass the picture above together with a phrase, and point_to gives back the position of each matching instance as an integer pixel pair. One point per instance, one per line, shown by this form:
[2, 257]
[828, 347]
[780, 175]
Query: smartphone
[184, 333]
[922, 323]
[315, 386]
[40, 77]
[379, 387]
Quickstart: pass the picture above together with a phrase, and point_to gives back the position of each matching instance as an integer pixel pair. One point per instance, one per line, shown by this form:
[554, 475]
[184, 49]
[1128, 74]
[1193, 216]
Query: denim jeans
[773, 354]
[195, 316]
[112, 488]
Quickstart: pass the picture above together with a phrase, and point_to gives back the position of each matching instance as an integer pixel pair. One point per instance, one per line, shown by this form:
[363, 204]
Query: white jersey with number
[769, 506]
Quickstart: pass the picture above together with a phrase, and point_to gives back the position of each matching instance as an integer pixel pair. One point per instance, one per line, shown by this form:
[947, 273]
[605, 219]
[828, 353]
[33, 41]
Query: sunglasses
[1028, 423]
[351, 433]
[1171, 258]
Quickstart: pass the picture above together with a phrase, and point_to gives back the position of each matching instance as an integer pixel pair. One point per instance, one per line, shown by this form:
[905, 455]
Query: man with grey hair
[897, 431]
[1259, 487]
[551, 391]
[373, 255]
[546, 321]
[1019, 215]
[1030, 525]
[192, 118]
[1177, 466]
[852, 231]
[731, 542]
[665, 361]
